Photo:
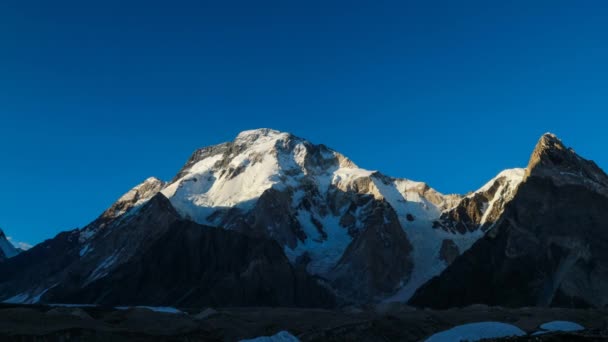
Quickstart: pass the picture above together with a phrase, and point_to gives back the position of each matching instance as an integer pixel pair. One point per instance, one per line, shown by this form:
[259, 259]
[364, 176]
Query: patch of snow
[86, 234]
[36, 299]
[282, 336]
[346, 176]
[61, 305]
[164, 309]
[299, 154]
[85, 250]
[515, 175]
[324, 254]
[426, 241]
[477, 331]
[100, 270]
[562, 326]
[27, 298]
[20, 298]
[506, 191]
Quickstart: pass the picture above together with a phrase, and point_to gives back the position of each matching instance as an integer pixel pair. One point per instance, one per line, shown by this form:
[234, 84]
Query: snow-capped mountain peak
[315, 202]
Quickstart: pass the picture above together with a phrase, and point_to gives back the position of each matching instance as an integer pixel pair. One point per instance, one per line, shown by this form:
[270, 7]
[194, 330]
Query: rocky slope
[547, 248]
[369, 237]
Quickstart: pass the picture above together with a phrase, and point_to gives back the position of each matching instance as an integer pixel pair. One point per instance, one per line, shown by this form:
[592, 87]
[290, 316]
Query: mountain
[328, 227]
[7, 250]
[370, 235]
[548, 247]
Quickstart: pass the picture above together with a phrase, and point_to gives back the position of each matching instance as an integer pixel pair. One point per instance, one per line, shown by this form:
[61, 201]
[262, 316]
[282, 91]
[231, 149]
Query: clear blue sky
[95, 96]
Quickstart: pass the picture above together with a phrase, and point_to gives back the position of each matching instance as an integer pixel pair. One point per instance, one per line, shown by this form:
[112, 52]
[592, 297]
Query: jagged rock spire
[550, 152]
[552, 159]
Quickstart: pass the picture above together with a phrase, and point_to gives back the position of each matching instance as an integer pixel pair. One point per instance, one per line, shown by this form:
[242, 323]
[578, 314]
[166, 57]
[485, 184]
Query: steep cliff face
[547, 248]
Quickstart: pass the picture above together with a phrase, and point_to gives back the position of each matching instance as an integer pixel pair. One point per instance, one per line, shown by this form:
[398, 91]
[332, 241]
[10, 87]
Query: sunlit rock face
[547, 248]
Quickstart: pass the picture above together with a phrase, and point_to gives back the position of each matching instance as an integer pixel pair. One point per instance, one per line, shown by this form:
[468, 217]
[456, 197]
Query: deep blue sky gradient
[95, 96]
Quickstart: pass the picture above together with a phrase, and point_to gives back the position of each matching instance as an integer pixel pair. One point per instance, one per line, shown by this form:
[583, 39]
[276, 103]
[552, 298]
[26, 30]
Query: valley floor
[383, 323]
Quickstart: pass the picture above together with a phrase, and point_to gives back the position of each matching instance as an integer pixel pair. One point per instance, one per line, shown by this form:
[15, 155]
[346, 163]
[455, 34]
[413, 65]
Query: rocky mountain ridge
[346, 233]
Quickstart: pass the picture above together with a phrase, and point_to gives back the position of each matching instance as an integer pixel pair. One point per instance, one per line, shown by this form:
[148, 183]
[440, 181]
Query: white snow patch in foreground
[164, 309]
[282, 336]
[476, 332]
[562, 326]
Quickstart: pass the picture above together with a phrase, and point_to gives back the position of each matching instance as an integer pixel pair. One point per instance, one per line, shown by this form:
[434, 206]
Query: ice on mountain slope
[28, 297]
[476, 331]
[427, 241]
[506, 191]
[258, 167]
[262, 159]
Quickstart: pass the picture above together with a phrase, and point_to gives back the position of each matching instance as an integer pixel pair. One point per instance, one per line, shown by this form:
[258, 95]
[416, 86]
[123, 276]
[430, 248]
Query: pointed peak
[550, 151]
[552, 159]
[549, 141]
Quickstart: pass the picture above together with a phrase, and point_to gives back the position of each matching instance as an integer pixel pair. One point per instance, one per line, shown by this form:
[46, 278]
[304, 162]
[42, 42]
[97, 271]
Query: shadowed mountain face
[549, 247]
[191, 265]
[153, 257]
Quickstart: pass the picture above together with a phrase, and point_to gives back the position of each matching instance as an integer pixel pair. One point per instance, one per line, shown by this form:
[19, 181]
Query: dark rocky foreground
[381, 323]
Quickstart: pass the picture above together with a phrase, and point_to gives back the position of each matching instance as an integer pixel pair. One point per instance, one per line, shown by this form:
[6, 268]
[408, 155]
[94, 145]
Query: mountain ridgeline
[270, 219]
